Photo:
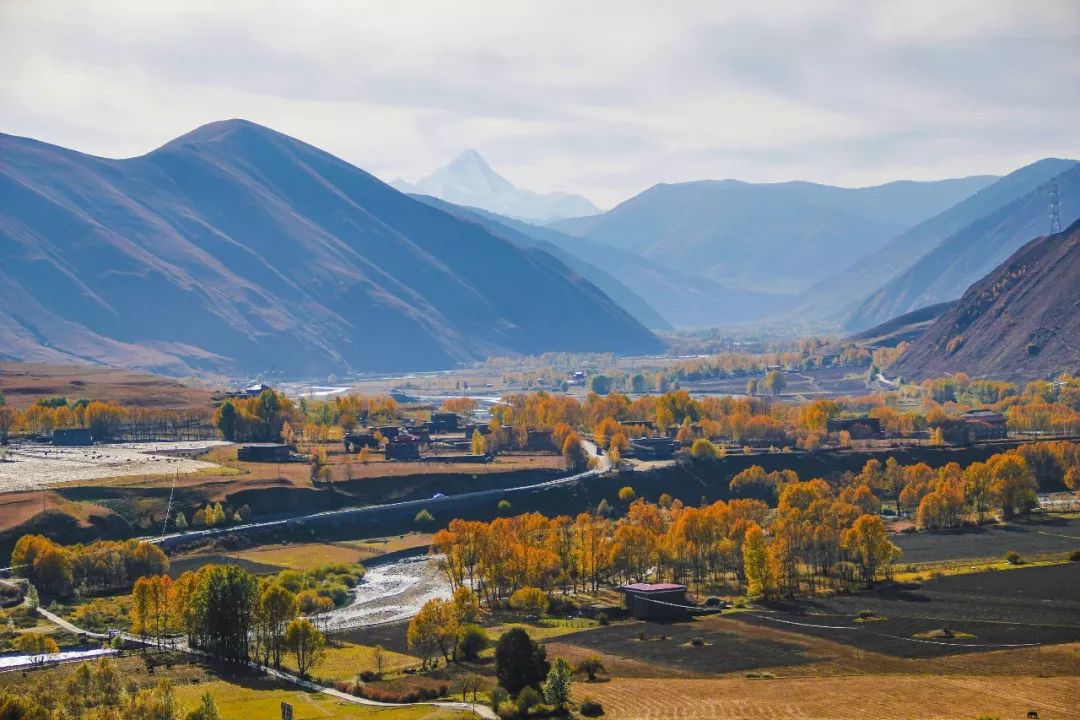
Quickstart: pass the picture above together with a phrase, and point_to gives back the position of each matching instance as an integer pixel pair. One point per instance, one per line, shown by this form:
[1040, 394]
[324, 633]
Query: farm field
[916, 697]
[1037, 605]
[1027, 536]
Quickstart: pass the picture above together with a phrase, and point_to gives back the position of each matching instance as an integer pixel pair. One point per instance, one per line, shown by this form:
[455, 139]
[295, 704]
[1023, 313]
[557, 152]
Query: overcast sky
[601, 98]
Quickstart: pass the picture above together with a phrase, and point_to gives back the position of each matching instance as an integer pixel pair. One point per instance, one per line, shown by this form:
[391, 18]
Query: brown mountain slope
[1019, 322]
[235, 248]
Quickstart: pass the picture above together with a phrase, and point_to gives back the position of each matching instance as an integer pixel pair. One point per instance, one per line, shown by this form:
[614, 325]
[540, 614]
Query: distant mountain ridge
[1020, 321]
[946, 271]
[470, 181]
[678, 299]
[837, 296]
[772, 237]
[236, 248]
[523, 233]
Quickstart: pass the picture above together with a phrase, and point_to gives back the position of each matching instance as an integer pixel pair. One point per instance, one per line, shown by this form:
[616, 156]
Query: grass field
[345, 661]
[302, 556]
[253, 702]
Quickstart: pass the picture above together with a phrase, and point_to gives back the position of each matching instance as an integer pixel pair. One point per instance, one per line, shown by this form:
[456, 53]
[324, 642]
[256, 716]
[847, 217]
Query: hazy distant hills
[533, 236]
[661, 297]
[779, 238]
[837, 296]
[1020, 321]
[235, 247]
[946, 271]
[468, 180]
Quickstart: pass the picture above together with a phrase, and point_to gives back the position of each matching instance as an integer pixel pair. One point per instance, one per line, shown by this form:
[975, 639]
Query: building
[443, 422]
[253, 390]
[403, 447]
[388, 431]
[651, 448]
[72, 437]
[655, 601]
[354, 441]
[264, 452]
[861, 428]
[986, 424]
[973, 425]
[540, 440]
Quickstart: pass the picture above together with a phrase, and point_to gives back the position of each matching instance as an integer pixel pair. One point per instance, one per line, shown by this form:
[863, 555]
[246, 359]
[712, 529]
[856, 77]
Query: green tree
[306, 643]
[557, 685]
[519, 661]
[223, 607]
[226, 420]
[275, 609]
[600, 384]
[207, 709]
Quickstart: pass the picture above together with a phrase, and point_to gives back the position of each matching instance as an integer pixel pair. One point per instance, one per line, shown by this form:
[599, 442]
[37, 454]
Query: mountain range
[236, 248]
[836, 297]
[1020, 321]
[773, 237]
[662, 297]
[946, 271]
[470, 181]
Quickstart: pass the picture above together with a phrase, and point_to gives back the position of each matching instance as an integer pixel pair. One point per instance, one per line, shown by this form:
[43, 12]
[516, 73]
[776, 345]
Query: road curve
[603, 465]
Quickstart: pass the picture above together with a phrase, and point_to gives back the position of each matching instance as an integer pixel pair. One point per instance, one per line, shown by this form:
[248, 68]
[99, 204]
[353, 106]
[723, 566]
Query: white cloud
[604, 98]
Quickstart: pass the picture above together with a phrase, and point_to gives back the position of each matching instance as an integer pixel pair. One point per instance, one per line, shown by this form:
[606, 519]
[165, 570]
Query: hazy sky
[602, 98]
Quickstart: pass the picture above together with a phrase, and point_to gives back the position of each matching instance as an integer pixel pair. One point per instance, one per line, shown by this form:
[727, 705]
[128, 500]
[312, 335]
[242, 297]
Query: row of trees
[106, 420]
[816, 534]
[229, 613]
[101, 565]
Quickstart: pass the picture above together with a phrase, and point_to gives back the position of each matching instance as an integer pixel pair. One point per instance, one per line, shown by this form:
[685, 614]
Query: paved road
[603, 465]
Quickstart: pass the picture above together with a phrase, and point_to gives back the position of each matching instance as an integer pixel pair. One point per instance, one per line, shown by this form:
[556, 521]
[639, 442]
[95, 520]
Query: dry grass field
[23, 383]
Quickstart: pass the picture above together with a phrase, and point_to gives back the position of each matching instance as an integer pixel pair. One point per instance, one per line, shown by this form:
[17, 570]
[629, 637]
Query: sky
[601, 98]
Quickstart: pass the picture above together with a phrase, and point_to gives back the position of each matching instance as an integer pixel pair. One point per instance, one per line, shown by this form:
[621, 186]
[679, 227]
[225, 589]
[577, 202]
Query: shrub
[472, 640]
[591, 708]
[527, 698]
[697, 642]
[713, 602]
[529, 601]
[1074, 556]
[1013, 558]
[602, 618]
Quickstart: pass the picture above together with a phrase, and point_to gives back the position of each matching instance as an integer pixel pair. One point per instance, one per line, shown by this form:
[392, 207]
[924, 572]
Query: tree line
[102, 565]
[816, 537]
[107, 421]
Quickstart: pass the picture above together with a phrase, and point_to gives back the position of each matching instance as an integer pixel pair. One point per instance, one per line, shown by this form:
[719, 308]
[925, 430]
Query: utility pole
[1055, 209]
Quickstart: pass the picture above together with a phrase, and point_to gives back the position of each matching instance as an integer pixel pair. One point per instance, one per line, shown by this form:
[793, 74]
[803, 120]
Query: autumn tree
[434, 629]
[1012, 484]
[759, 568]
[868, 544]
[478, 446]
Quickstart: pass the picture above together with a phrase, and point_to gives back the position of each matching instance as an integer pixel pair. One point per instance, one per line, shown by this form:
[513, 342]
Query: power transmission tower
[1055, 210]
